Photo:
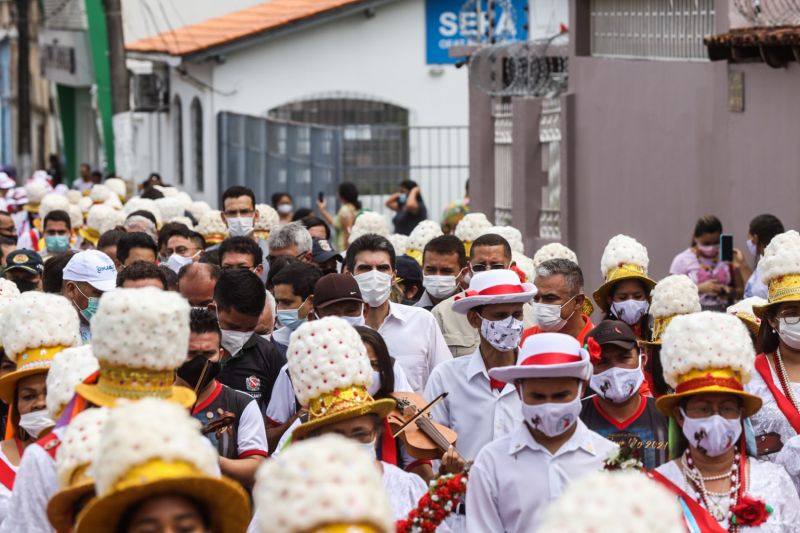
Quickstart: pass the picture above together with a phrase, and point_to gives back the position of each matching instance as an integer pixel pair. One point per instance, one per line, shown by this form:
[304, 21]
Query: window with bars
[651, 29]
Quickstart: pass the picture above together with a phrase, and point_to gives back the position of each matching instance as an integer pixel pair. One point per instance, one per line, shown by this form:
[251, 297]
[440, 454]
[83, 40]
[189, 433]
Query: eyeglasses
[480, 267]
[239, 212]
[790, 316]
[727, 410]
[181, 250]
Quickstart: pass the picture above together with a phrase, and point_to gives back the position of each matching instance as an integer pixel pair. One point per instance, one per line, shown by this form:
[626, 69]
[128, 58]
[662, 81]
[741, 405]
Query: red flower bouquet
[442, 499]
[750, 512]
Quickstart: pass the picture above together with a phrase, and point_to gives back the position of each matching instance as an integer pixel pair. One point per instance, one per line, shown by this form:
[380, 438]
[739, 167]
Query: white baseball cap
[94, 267]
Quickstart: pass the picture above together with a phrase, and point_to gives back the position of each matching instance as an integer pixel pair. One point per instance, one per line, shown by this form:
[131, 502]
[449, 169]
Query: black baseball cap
[408, 269]
[322, 251]
[26, 260]
[334, 288]
[613, 332]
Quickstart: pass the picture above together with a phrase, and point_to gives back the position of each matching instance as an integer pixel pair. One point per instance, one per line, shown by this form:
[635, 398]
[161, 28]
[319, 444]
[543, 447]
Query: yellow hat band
[416, 254]
[330, 403]
[660, 325]
[626, 270]
[725, 378]
[214, 238]
[345, 528]
[155, 470]
[135, 383]
[37, 357]
[79, 476]
[784, 288]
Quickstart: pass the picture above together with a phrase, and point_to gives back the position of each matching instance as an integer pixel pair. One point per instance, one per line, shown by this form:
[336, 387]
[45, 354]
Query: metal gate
[271, 156]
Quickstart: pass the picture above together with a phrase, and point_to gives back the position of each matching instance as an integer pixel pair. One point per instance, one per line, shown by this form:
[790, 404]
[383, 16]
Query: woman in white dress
[707, 359]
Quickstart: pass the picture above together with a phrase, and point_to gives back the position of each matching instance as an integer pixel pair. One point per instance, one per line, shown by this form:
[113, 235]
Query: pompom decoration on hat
[330, 373]
[74, 196]
[111, 220]
[369, 222]
[68, 368]
[143, 204]
[53, 202]
[470, 228]
[85, 204]
[186, 221]
[118, 187]
[155, 447]
[267, 218]
[113, 202]
[8, 292]
[624, 258]
[673, 295]
[36, 190]
[170, 207]
[167, 190]
[510, 234]
[184, 199]
[622, 502]
[75, 216]
[554, 250]
[212, 228]
[421, 235]
[97, 219]
[399, 243]
[780, 270]
[140, 336]
[325, 482]
[99, 193]
[198, 209]
[36, 326]
[707, 352]
[743, 310]
[73, 460]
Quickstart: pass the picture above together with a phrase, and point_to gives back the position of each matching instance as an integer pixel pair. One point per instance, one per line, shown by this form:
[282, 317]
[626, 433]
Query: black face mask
[191, 372]
[26, 286]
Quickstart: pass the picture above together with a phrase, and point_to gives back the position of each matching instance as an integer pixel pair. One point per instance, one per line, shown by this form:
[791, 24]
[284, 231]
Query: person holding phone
[716, 280]
[409, 207]
[346, 216]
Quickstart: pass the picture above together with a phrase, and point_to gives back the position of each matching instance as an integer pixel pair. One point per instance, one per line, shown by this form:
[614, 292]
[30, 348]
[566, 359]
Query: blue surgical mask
[402, 198]
[91, 307]
[56, 243]
[290, 318]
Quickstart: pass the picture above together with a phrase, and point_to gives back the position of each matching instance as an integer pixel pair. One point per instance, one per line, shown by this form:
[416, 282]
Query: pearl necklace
[696, 479]
[783, 377]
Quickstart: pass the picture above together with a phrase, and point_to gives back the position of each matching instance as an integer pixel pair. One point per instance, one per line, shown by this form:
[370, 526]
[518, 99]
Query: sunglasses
[483, 268]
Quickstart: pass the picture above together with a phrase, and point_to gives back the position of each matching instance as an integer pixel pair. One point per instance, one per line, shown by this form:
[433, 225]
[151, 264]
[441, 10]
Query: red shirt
[534, 330]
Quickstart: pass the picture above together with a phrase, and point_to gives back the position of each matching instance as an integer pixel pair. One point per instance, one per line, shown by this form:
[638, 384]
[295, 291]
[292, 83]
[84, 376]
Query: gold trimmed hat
[780, 271]
[672, 296]
[330, 373]
[212, 227]
[707, 352]
[743, 310]
[36, 326]
[151, 448]
[140, 336]
[623, 258]
[470, 227]
[325, 485]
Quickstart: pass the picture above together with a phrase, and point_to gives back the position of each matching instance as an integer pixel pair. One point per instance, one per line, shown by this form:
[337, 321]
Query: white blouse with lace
[771, 419]
[767, 482]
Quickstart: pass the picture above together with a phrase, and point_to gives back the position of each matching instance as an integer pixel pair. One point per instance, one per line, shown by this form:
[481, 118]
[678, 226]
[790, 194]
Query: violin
[424, 438]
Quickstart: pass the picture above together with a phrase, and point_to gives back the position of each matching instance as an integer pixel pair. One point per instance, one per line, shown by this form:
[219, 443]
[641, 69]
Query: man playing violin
[478, 408]
[515, 477]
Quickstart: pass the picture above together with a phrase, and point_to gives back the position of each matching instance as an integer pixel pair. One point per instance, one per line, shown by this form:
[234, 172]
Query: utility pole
[120, 89]
[24, 163]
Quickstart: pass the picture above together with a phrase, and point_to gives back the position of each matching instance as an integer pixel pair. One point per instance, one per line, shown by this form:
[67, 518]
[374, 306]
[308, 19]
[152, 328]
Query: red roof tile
[234, 26]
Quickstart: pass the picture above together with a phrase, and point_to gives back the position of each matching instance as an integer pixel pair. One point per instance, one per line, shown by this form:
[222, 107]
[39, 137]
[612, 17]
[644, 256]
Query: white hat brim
[508, 374]
[106, 285]
[463, 305]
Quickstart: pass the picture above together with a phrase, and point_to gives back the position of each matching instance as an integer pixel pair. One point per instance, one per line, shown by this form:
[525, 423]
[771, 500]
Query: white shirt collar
[522, 438]
[424, 301]
[398, 311]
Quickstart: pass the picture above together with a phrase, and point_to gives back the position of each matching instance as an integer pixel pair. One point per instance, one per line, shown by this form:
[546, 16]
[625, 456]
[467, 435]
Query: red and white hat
[547, 355]
[494, 287]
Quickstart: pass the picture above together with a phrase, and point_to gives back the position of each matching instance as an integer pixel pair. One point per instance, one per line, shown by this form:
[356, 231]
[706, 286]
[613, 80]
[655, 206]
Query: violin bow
[421, 412]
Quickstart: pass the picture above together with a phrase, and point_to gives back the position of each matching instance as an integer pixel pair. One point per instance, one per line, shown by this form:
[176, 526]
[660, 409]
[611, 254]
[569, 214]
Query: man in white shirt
[411, 333]
[515, 477]
[480, 409]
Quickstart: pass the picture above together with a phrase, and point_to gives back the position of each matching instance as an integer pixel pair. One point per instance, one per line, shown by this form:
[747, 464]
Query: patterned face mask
[504, 334]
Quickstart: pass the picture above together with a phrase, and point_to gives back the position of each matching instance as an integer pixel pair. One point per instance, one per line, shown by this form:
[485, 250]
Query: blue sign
[457, 22]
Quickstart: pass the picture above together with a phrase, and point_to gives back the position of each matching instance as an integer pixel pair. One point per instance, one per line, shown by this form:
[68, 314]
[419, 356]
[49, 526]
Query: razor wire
[769, 12]
[518, 69]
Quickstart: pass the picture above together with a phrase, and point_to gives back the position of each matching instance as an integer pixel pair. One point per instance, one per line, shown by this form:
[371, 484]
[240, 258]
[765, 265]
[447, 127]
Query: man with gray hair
[290, 240]
[140, 224]
[557, 304]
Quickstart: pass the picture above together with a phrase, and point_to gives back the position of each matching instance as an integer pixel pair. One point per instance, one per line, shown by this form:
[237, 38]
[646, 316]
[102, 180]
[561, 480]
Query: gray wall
[655, 147]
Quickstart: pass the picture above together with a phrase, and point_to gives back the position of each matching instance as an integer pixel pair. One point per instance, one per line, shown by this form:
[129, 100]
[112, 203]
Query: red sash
[704, 520]
[50, 444]
[388, 446]
[7, 475]
[784, 404]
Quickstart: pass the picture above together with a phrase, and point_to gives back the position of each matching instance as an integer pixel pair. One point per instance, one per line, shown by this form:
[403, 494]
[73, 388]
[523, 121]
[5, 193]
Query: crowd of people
[171, 367]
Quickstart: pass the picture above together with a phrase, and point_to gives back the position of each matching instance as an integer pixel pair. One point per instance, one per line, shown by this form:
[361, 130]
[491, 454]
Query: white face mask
[553, 419]
[548, 316]
[354, 321]
[504, 334]
[36, 422]
[234, 341]
[376, 383]
[618, 385]
[176, 262]
[240, 226]
[789, 333]
[440, 287]
[714, 435]
[375, 287]
[751, 247]
[630, 311]
[285, 209]
[369, 447]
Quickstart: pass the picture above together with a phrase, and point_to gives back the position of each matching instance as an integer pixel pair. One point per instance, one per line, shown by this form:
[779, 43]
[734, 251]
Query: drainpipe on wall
[98, 41]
